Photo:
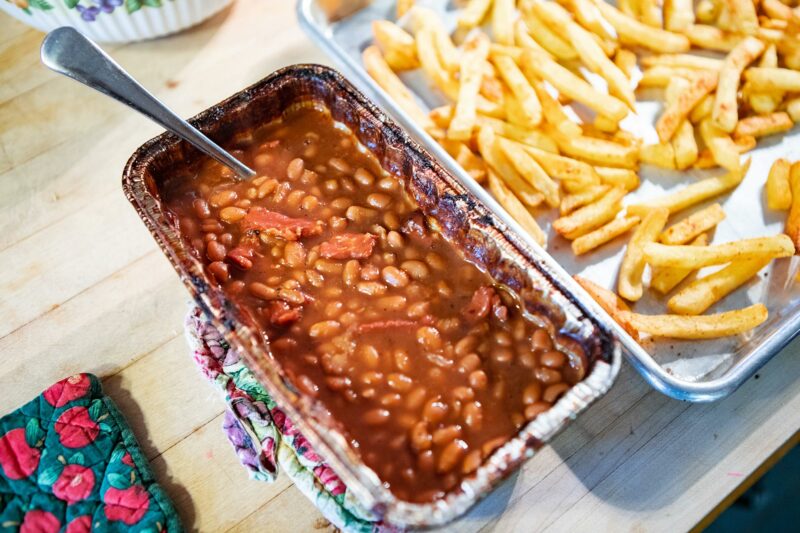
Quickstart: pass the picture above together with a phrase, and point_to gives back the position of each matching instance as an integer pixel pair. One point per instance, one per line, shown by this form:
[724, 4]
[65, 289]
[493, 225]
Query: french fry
[618, 177]
[683, 61]
[702, 109]
[431, 64]
[629, 283]
[571, 202]
[692, 194]
[448, 54]
[566, 169]
[441, 116]
[589, 17]
[604, 234]
[503, 21]
[539, 66]
[725, 112]
[743, 16]
[664, 279]
[685, 145]
[678, 14]
[534, 138]
[474, 53]
[611, 303]
[510, 203]
[531, 171]
[632, 31]
[397, 46]
[553, 111]
[605, 125]
[677, 111]
[496, 160]
[626, 61]
[773, 79]
[380, 71]
[763, 125]
[702, 293]
[403, 7]
[660, 155]
[700, 327]
[707, 11]
[660, 75]
[465, 157]
[683, 256]
[765, 103]
[651, 14]
[591, 216]
[777, 10]
[779, 193]
[722, 147]
[546, 37]
[695, 224]
[793, 108]
[492, 88]
[523, 40]
[711, 38]
[530, 107]
[473, 14]
[598, 151]
[793, 220]
[744, 144]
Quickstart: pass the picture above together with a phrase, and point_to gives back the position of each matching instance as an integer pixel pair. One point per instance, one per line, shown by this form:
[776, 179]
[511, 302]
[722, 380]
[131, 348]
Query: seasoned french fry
[629, 283]
[773, 79]
[633, 31]
[496, 160]
[534, 138]
[744, 144]
[711, 38]
[660, 155]
[664, 279]
[722, 147]
[793, 220]
[626, 61]
[531, 171]
[683, 61]
[764, 103]
[700, 85]
[564, 168]
[474, 53]
[685, 145]
[380, 71]
[473, 14]
[683, 256]
[762, 125]
[529, 104]
[510, 203]
[702, 109]
[503, 21]
[546, 37]
[690, 227]
[598, 151]
[678, 14]
[591, 216]
[700, 327]
[702, 293]
[397, 46]
[692, 194]
[618, 177]
[571, 202]
[553, 111]
[604, 234]
[611, 303]
[725, 112]
[779, 193]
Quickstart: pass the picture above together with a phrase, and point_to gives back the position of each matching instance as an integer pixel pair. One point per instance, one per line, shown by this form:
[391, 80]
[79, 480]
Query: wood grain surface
[83, 287]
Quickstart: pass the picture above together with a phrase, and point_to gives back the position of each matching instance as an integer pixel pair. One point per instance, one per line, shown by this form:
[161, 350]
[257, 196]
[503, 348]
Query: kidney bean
[216, 251]
[201, 208]
[219, 270]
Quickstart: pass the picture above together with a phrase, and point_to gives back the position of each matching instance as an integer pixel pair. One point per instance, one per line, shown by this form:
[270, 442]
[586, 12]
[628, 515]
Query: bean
[391, 220]
[466, 345]
[372, 378]
[394, 240]
[463, 393]
[328, 267]
[429, 338]
[388, 184]
[223, 198]
[201, 208]
[294, 198]
[309, 203]
[370, 272]
[451, 456]
[434, 411]
[264, 292]
[295, 168]
[402, 361]
[379, 200]
[554, 392]
[369, 354]
[547, 376]
[418, 309]
[416, 269]
[541, 340]
[219, 270]
[323, 329]
[376, 417]
[340, 204]
[359, 214]
[295, 254]
[351, 271]
[392, 303]
[532, 394]
[419, 437]
[527, 359]
[226, 239]
[535, 409]
[333, 363]
[340, 165]
[348, 319]
[330, 186]
[368, 393]
[553, 359]
[399, 382]
[332, 292]
[371, 288]
[236, 287]
[244, 204]
[448, 325]
[390, 399]
[364, 177]
[491, 445]
[415, 398]
[426, 462]
[444, 289]
[394, 276]
[478, 380]
[337, 383]
[435, 261]
[473, 415]
[471, 462]
[503, 338]
[469, 363]
[216, 251]
[310, 151]
[267, 188]
[314, 278]
[307, 386]
[502, 355]
[211, 226]
[518, 419]
[446, 434]
[258, 180]
[231, 215]
[292, 296]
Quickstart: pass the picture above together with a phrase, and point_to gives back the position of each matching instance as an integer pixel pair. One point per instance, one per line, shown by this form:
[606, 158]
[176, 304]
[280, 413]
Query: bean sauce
[424, 363]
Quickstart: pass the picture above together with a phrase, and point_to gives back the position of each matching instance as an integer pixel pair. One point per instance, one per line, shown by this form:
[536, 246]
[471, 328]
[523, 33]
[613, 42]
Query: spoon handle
[68, 52]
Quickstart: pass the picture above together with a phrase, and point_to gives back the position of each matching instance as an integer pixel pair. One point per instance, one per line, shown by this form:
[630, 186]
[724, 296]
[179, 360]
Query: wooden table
[84, 288]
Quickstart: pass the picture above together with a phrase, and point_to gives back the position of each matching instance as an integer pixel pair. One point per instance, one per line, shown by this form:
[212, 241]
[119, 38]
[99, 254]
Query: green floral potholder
[69, 462]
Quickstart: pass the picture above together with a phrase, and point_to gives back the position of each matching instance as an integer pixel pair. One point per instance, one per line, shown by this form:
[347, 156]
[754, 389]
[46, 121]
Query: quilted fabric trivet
[264, 438]
[70, 463]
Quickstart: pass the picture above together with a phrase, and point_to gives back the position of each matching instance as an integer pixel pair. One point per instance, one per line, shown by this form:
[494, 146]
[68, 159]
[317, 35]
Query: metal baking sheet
[688, 370]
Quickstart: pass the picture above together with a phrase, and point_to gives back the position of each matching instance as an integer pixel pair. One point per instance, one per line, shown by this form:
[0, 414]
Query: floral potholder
[70, 463]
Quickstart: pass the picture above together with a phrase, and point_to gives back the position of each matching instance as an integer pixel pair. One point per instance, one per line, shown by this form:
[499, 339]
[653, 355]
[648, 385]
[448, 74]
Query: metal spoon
[66, 51]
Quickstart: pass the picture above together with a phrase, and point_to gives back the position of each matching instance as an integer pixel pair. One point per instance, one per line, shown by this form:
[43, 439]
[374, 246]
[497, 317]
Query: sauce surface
[426, 365]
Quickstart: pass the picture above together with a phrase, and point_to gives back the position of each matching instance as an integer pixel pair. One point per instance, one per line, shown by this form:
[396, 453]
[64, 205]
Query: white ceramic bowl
[114, 21]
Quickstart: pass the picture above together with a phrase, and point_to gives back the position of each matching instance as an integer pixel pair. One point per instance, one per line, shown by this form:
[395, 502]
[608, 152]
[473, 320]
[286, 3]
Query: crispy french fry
[473, 14]
[553, 111]
[692, 194]
[743, 143]
[618, 177]
[566, 169]
[793, 220]
[793, 108]
[700, 85]
[474, 53]
[773, 79]
[605, 125]
[629, 283]
[711, 38]
[632, 31]
[777, 10]
[678, 14]
[779, 193]
[465, 157]
[685, 145]
[397, 46]
[523, 40]
[503, 21]
[722, 147]
[611, 303]
[510, 203]
[441, 116]
[762, 125]
[598, 151]
[707, 11]
[660, 75]
[700, 327]
[496, 160]
[545, 36]
[651, 14]
[534, 138]
[682, 61]
[725, 112]
[683, 256]
[626, 61]
[529, 104]
[660, 155]
[589, 17]
[431, 64]
[491, 86]
[702, 109]
[531, 171]
[604, 234]
[591, 216]
[695, 224]
[380, 71]
[702, 293]
[743, 16]
[571, 202]
[764, 103]
[664, 279]
[537, 65]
